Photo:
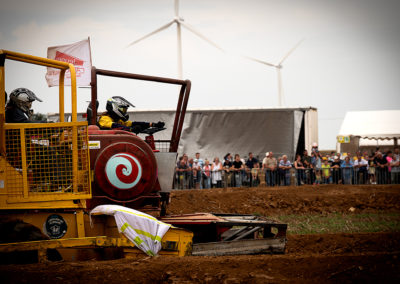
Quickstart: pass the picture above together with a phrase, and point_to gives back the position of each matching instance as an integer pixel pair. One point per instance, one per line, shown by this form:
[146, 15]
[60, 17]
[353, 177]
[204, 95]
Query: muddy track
[328, 258]
[331, 258]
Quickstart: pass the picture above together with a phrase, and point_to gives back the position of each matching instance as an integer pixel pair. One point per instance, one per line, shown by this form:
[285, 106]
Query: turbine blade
[258, 61]
[193, 30]
[290, 51]
[280, 87]
[152, 33]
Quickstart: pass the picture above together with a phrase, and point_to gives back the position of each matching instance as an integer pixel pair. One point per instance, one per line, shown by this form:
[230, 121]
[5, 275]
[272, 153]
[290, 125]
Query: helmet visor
[123, 109]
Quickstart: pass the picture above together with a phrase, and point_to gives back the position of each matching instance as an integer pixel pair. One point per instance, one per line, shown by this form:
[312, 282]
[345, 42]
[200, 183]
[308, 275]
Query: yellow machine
[45, 178]
[48, 172]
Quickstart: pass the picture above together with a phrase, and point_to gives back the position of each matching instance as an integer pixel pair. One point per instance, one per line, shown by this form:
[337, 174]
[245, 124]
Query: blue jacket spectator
[347, 170]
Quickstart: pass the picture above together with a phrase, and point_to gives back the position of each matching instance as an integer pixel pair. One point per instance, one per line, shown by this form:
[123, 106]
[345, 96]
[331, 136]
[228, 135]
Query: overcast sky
[349, 59]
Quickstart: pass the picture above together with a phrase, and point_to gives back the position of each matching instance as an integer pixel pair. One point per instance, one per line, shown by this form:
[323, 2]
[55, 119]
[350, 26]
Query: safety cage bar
[180, 110]
[30, 153]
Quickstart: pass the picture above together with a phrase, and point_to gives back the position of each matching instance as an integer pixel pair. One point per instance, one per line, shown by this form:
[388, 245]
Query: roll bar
[63, 66]
[182, 101]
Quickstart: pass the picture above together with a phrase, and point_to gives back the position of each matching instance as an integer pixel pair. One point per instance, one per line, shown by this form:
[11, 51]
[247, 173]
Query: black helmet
[23, 98]
[117, 107]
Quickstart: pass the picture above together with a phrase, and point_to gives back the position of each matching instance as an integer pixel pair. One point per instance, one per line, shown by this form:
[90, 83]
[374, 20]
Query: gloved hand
[159, 124]
[136, 129]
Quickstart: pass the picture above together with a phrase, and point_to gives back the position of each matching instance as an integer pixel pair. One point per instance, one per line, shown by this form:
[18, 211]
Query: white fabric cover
[143, 230]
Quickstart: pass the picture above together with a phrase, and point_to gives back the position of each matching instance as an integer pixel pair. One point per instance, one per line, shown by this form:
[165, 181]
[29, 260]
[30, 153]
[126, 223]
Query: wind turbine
[179, 22]
[278, 68]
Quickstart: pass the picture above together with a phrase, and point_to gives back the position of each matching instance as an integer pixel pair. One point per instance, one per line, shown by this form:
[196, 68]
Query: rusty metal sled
[232, 234]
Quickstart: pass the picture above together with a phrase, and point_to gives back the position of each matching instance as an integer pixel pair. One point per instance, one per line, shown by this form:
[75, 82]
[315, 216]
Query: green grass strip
[341, 223]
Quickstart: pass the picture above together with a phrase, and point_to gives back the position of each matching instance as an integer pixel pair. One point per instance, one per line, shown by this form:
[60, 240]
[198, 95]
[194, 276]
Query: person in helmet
[117, 117]
[18, 109]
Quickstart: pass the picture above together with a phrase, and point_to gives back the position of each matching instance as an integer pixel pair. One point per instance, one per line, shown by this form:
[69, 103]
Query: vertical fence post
[24, 163]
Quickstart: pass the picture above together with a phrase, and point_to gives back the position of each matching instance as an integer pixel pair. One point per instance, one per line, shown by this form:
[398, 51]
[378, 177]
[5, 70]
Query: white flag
[79, 55]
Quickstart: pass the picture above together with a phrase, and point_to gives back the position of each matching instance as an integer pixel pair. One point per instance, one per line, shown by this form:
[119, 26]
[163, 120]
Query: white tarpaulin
[145, 231]
[79, 55]
[378, 124]
[214, 133]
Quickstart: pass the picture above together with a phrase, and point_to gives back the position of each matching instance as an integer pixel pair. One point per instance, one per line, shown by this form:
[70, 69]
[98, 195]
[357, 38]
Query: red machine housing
[123, 165]
[124, 170]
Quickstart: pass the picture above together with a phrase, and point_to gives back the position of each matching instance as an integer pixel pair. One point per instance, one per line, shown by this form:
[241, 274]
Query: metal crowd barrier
[260, 177]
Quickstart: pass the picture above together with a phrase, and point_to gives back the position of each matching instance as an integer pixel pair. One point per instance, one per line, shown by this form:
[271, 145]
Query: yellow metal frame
[176, 242]
[63, 66]
[45, 200]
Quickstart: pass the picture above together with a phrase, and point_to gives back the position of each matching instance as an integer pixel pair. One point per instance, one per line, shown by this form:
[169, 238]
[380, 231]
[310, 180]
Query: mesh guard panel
[40, 159]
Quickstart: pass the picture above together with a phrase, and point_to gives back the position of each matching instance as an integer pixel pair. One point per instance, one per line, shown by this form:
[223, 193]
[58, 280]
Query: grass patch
[341, 223]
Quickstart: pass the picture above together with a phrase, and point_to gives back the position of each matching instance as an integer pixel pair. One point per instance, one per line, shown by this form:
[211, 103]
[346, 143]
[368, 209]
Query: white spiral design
[123, 170]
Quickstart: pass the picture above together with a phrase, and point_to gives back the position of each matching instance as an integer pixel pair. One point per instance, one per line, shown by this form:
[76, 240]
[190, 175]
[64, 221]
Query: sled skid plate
[247, 246]
[232, 234]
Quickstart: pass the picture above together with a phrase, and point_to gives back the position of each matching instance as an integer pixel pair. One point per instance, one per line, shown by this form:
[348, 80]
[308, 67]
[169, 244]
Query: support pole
[179, 49]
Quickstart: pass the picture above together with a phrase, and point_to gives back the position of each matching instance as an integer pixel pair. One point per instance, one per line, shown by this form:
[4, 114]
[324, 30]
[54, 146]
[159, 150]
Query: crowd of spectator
[378, 167]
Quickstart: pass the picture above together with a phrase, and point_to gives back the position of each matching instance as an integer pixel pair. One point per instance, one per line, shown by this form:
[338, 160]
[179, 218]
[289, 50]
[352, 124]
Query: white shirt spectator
[216, 168]
[361, 163]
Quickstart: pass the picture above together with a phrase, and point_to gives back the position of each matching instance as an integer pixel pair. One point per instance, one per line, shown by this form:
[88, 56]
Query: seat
[89, 111]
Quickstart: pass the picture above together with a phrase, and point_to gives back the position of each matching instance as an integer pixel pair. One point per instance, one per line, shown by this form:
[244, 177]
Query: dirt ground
[272, 201]
[361, 257]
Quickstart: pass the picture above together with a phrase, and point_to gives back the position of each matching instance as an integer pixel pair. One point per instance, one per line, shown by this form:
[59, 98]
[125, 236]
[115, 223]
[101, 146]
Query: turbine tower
[278, 68]
[179, 22]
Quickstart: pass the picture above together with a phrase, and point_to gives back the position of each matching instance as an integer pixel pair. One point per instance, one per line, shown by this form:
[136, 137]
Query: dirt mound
[320, 258]
[287, 200]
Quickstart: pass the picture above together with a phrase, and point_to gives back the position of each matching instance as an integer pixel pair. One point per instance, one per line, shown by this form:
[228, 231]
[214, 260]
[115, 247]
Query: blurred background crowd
[376, 167]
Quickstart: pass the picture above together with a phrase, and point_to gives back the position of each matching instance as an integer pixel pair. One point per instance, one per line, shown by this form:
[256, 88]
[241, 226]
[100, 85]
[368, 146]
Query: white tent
[378, 124]
[370, 128]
